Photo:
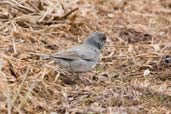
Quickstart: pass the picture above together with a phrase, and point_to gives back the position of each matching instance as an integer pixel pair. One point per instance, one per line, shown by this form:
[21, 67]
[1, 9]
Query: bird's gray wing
[73, 55]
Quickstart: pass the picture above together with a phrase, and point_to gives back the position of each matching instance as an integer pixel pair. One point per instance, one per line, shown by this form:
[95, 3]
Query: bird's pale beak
[108, 40]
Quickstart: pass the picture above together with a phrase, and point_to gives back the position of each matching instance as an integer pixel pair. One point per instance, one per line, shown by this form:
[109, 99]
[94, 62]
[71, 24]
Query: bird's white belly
[82, 66]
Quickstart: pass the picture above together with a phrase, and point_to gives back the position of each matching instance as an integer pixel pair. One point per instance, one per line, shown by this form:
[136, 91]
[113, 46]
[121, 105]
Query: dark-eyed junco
[80, 58]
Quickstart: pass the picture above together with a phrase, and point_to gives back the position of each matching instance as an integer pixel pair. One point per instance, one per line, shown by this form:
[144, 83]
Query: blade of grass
[27, 95]
[20, 87]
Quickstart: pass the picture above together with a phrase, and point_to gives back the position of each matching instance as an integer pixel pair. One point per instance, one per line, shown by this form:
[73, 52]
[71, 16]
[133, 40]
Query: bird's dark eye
[104, 38]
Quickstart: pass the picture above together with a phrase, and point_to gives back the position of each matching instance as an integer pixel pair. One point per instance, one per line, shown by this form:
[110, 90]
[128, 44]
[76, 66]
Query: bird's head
[97, 39]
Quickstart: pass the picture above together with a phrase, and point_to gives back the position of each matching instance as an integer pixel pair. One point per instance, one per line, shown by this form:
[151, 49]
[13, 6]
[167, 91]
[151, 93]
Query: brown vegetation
[133, 76]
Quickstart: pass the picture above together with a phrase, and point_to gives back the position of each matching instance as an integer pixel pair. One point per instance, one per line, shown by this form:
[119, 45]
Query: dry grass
[133, 76]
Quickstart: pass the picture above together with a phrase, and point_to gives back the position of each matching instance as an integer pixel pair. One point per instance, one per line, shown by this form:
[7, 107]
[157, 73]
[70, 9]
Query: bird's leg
[77, 77]
[81, 79]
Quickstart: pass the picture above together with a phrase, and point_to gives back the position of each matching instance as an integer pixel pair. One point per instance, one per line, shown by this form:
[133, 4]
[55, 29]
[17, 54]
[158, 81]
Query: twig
[49, 22]
[11, 68]
[18, 6]
[13, 40]
[27, 95]
[49, 10]
[67, 14]
[9, 104]
[57, 19]
[20, 87]
[33, 6]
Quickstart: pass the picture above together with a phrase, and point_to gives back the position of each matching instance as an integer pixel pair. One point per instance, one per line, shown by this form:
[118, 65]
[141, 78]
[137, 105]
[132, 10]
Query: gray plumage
[83, 57]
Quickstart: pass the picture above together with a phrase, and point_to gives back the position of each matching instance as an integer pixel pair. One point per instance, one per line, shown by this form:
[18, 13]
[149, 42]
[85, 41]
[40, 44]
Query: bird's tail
[43, 56]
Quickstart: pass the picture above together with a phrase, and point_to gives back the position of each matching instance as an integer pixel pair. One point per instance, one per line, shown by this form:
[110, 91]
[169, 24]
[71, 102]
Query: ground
[133, 75]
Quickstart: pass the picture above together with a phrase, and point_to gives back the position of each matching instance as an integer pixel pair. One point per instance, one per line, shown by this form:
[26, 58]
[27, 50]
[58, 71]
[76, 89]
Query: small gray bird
[83, 57]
